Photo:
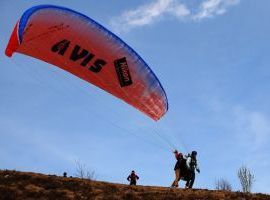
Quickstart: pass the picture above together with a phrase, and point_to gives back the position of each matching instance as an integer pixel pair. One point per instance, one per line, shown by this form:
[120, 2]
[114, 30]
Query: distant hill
[30, 186]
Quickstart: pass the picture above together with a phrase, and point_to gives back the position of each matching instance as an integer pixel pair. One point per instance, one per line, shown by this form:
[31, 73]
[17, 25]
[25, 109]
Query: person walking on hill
[132, 178]
[192, 165]
[177, 167]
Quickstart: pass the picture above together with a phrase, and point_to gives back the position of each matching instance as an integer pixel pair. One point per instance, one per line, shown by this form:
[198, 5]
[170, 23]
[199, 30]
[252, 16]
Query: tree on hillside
[82, 171]
[223, 184]
[246, 178]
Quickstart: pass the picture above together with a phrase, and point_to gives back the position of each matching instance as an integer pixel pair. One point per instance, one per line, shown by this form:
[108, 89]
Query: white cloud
[249, 127]
[253, 127]
[248, 132]
[210, 8]
[146, 14]
[253, 136]
[150, 13]
[179, 10]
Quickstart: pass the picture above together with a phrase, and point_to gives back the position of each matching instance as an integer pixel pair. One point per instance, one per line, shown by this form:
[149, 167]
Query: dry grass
[21, 185]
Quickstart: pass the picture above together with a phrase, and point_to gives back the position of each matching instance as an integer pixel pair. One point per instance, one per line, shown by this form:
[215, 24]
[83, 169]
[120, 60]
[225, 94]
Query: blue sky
[211, 57]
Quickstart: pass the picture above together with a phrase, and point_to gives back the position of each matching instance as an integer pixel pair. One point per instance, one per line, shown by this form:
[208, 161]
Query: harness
[193, 163]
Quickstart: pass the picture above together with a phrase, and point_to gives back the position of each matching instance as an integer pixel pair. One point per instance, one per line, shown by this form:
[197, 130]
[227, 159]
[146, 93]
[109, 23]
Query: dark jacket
[132, 178]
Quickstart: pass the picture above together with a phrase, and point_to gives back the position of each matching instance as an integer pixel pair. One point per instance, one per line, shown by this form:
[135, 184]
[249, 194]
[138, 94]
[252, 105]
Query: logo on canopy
[122, 70]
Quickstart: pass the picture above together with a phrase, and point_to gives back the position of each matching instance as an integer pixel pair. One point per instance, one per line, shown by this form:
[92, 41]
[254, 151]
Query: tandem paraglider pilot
[132, 178]
[185, 168]
[192, 165]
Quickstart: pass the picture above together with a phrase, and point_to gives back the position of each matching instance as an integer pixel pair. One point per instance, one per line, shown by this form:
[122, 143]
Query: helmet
[194, 153]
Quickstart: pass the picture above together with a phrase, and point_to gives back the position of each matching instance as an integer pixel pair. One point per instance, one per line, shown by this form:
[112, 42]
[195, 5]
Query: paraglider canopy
[81, 46]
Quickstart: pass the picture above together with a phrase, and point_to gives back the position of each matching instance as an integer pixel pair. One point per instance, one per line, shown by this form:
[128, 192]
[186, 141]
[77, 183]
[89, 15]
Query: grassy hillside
[22, 185]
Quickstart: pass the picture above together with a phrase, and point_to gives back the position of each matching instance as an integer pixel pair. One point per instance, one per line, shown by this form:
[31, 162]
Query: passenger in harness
[177, 168]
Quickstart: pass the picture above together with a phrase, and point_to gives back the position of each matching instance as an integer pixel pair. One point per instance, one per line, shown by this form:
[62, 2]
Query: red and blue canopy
[81, 46]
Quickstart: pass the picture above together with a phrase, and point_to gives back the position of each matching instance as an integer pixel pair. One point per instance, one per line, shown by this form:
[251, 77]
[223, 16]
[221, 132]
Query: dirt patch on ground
[21, 185]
